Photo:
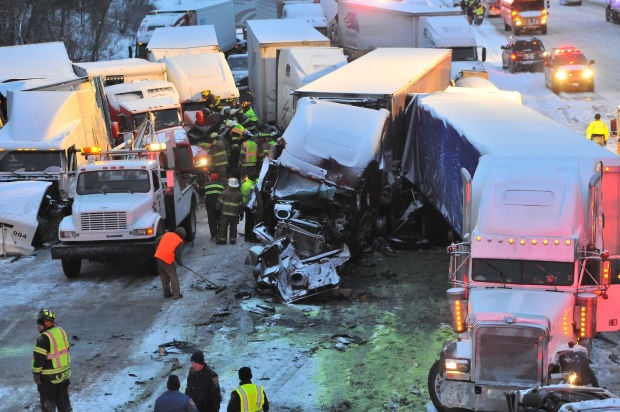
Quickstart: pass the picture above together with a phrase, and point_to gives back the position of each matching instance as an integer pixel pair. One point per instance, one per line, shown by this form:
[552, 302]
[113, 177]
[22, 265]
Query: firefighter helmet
[233, 182]
[45, 314]
[205, 94]
[245, 105]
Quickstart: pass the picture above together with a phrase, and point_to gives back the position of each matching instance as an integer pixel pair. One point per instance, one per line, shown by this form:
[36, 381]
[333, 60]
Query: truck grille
[509, 355]
[103, 221]
[306, 243]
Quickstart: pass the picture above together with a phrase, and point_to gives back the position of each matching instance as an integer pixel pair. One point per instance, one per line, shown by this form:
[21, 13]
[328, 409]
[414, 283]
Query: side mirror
[548, 4]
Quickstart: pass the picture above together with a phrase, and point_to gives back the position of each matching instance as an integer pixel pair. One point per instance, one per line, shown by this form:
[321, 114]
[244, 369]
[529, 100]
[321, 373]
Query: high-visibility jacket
[248, 154]
[231, 202]
[252, 397]
[212, 192]
[167, 246]
[597, 127]
[53, 343]
[218, 154]
[246, 188]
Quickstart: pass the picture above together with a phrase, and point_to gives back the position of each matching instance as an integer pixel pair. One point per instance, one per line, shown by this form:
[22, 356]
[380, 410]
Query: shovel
[218, 288]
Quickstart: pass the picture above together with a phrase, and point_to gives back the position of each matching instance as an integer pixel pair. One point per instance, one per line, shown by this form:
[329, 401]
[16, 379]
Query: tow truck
[125, 198]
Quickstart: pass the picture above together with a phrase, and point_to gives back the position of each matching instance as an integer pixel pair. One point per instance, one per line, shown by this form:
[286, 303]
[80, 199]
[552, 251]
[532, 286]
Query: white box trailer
[365, 25]
[175, 41]
[385, 78]
[219, 13]
[121, 70]
[265, 38]
[298, 66]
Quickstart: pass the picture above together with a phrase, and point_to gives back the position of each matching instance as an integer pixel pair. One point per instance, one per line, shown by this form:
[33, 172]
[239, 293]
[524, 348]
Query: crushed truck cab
[125, 199]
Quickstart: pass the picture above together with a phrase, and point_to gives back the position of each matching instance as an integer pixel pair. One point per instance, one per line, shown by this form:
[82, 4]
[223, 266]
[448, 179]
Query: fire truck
[125, 198]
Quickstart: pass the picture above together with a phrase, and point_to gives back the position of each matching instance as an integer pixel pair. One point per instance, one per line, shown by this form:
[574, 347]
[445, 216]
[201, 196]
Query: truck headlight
[587, 74]
[67, 234]
[456, 365]
[149, 231]
[561, 75]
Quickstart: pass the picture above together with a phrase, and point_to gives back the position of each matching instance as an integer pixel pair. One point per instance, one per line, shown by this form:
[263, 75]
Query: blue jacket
[174, 401]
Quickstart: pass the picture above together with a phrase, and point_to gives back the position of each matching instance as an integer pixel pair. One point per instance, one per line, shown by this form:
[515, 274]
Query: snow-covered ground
[584, 26]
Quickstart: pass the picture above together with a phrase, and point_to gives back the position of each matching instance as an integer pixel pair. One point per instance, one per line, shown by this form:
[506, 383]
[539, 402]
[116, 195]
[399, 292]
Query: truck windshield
[523, 272]
[464, 54]
[35, 161]
[113, 181]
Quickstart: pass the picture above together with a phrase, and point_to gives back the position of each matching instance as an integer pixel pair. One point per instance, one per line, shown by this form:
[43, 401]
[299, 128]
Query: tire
[433, 383]
[506, 27]
[71, 267]
[544, 30]
[151, 266]
[189, 224]
[512, 67]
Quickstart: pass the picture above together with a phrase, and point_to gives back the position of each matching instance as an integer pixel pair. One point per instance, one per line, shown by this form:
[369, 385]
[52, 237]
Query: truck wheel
[71, 268]
[189, 224]
[151, 264]
[512, 67]
[434, 381]
[506, 27]
[544, 30]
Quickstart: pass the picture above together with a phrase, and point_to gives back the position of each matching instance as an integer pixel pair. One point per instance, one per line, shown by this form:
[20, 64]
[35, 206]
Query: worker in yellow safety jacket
[248, 158]
[248, 397]
[597, 131]
[51, 364]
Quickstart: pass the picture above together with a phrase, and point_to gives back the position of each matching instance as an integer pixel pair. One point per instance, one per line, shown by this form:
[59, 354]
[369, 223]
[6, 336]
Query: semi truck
[534, 267]
[298, 66]
[265, 38]
[50, 115]
[125, 199]
[121, 70]
[330, 193]
[366, 25]
[175, 41]
[404, 71]
[219, 13]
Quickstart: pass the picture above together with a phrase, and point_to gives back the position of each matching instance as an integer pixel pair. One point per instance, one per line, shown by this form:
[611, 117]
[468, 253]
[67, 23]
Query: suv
[523, 53]
[567, 69]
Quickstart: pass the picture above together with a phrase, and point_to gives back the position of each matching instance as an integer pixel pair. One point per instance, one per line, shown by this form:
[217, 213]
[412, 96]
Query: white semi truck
[536, 273]
[52, 114]
[219, 13]
[124, 201]
[367, 24]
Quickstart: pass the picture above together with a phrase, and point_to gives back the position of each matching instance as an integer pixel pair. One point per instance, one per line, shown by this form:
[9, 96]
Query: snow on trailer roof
[127, 67]
[418, 8]
[57, 115]
[497, 125]
[360, 76]
[278, 31]
[21, 66]
[185, 5]
[183, 37]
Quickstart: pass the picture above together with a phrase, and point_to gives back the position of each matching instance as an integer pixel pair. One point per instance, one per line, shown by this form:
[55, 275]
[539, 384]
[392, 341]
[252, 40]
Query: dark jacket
[174, 401]
[203, 390]
[231, 202]
[234, 404]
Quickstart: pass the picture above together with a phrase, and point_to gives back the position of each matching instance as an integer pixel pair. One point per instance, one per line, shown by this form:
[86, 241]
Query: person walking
[169, 251]
[597, 131]
[212, 190]
[51, 364]
[230, 203]
[203, 385]
[246, 191]
[172, 400]
[248, 397]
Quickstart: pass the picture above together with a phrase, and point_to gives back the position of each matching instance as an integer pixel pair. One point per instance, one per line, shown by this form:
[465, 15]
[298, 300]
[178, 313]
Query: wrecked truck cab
[322, 195]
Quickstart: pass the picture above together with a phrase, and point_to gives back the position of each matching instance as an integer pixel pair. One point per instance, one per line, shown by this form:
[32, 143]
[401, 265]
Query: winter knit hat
[198, 357]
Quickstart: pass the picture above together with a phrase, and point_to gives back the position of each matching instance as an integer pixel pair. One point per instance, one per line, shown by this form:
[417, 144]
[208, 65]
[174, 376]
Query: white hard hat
[233, 182]
[230, 123]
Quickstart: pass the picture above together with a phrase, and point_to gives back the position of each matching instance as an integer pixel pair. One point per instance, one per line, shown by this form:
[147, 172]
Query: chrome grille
[104, 221]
